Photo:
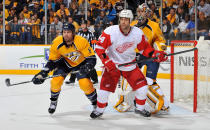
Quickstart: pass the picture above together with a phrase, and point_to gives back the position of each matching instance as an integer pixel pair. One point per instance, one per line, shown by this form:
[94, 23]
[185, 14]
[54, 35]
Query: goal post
[189, 76]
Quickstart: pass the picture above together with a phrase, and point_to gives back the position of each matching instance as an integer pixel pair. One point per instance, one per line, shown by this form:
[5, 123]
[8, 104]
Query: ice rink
[24, 107]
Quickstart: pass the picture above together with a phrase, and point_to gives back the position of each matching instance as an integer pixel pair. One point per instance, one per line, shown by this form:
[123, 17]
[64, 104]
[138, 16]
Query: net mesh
[184, 76]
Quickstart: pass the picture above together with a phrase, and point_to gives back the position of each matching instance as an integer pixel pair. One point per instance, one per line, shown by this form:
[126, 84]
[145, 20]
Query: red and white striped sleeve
[104, 41]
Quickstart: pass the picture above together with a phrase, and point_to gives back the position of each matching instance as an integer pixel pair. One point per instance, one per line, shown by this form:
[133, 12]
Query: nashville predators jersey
[153, 34]
[73, 54]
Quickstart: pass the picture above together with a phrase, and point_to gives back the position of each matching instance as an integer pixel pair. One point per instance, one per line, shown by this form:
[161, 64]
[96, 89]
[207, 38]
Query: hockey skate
[52, 107]
[166, 109]
[144, 113]
[95, 114]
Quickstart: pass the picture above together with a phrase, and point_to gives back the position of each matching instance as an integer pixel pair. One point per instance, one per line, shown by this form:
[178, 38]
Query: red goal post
[184, 44]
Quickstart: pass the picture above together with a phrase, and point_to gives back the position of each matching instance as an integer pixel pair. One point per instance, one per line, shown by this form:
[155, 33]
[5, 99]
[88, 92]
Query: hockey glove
[160, 56]
[86, 68]
[40, 77]
[110, 66]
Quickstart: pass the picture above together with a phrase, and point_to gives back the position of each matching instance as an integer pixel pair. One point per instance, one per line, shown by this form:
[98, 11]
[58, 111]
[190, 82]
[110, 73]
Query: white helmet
[126, 14]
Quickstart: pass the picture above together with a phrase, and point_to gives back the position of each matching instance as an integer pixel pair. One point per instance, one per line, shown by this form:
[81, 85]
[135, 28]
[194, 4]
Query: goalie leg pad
[154, 99]
[124, 89]
[121, 105]
[159, 92]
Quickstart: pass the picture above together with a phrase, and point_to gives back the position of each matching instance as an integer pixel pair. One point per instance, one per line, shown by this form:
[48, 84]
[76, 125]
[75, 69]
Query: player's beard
[69, 40]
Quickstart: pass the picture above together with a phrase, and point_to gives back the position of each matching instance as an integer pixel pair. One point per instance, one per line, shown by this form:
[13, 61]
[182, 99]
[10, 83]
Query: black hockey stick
[151, 59]
[8, 83]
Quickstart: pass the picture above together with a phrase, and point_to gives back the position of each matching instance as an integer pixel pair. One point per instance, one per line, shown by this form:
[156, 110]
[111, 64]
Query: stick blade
[7, 81]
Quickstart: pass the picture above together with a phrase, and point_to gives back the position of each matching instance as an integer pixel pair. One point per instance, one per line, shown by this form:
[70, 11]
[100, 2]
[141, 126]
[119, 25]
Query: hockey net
[190, 76]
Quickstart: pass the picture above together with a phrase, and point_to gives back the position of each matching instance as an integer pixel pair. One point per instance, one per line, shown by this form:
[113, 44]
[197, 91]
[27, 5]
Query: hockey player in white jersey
[116, 46]
[154, 35]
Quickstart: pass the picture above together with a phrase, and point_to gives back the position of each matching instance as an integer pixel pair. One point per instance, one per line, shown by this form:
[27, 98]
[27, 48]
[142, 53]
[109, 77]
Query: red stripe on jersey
[140, 102]
[101, 105]
[104, 41]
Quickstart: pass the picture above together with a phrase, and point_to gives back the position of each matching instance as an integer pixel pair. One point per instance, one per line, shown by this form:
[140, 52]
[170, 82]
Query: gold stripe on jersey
[73, 54]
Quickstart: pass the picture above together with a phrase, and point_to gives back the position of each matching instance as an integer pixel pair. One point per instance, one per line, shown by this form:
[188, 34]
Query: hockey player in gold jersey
[69, 53]
[153, 33]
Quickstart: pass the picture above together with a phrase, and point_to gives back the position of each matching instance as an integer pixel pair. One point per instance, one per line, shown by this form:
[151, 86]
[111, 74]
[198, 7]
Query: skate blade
[98, 118]
[143, 117]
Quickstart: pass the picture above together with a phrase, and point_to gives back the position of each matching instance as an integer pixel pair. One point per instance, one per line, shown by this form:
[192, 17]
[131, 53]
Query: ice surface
[24, 107]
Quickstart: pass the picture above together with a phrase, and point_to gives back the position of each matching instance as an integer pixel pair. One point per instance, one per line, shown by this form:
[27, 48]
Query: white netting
[184, 76]
[204, 79]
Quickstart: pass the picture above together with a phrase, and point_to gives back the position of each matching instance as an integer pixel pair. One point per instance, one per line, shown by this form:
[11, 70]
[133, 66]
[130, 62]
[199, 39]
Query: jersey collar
[123, 32]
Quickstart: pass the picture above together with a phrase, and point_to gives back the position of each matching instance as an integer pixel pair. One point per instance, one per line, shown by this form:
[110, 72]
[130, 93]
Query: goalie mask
[143, 12]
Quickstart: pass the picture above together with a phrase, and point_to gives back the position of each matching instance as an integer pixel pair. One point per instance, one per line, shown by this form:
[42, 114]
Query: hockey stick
[151, 59]
[8, 83]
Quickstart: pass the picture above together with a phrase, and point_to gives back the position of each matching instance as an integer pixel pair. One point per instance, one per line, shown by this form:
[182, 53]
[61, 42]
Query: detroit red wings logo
[122, 48]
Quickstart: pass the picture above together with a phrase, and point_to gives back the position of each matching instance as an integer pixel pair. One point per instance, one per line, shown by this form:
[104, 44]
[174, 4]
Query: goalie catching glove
[40, 77]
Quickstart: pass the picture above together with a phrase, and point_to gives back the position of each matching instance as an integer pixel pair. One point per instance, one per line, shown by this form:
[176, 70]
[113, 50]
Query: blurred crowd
[25, 19]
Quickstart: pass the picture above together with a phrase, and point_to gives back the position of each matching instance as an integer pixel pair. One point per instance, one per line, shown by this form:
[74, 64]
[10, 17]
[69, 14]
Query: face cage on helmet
[147, 15]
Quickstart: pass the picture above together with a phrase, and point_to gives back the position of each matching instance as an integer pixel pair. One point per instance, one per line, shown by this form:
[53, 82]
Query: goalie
[155, 97]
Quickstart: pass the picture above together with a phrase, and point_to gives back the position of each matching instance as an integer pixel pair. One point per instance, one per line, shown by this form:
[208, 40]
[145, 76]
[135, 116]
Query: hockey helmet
[145, 12]
[69, 26]
[126, 14]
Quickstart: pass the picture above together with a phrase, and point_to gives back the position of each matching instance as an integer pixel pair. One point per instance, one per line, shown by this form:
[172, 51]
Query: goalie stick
[8, 83]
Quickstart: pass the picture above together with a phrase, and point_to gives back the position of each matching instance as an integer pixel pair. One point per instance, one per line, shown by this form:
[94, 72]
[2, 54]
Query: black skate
[52, 107]
[95, 114]
[144, 113]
